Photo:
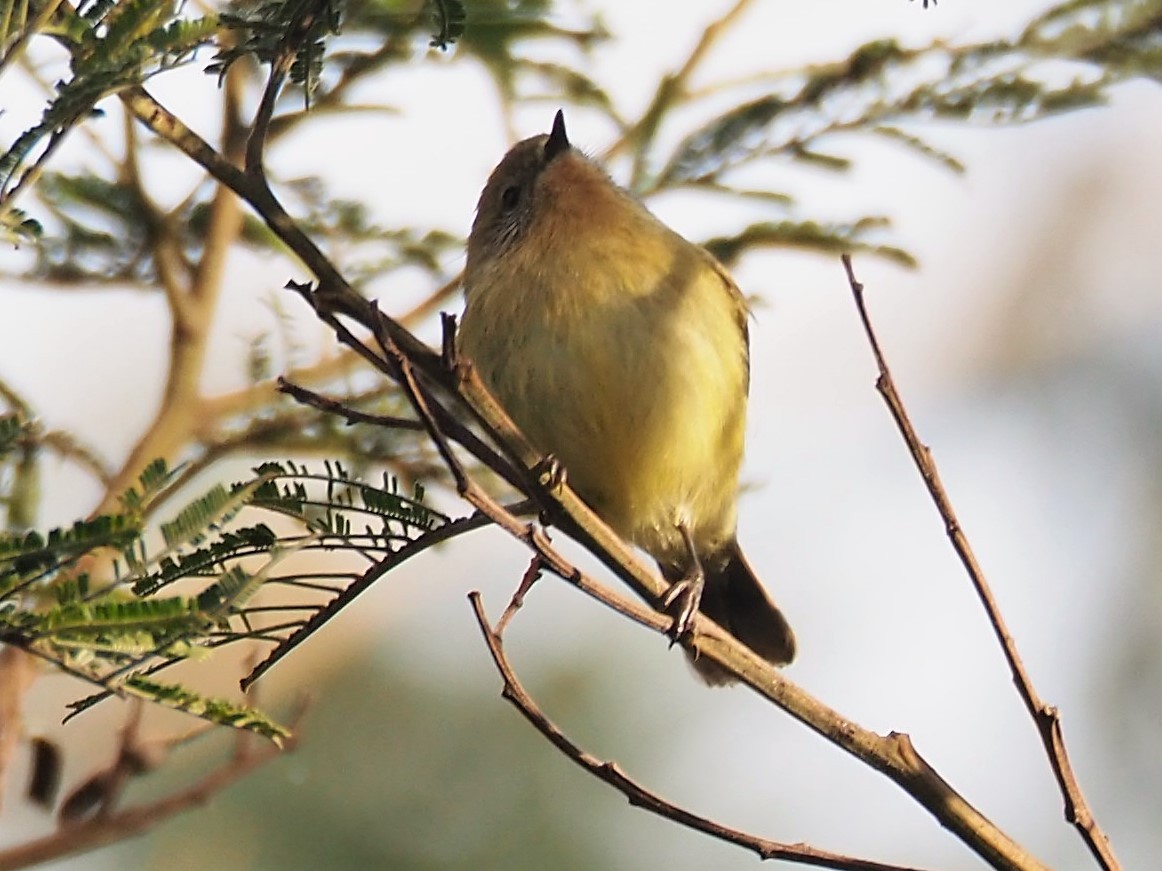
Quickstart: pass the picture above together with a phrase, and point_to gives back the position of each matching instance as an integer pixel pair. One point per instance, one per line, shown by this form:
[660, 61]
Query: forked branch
[638, 795]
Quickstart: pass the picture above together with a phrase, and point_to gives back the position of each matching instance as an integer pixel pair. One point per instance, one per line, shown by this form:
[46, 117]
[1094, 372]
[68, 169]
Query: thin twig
[531, 575]
[29, 177]
[1045, 717]
[892, 755]
[671, 88]
[193, 302]
[68, 447]
[419, 400]
[638, 795]
[256, 143]
[351, 415]
[369, 577]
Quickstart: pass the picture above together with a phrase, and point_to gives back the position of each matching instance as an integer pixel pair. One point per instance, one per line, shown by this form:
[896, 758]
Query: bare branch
[256, 144]
[531, 575]
[892, 755]
[638, 795]
[1045, 717]
[351, 415]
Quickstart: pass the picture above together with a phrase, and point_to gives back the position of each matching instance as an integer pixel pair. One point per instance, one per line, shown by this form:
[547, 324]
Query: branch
[108, 828]
[17, 672]
[638, 795]
[256, 144]
[363, 582]
[1045, 717]
[671, 88]
[192, 305]
[351, 415]
[892, 755]
[68, 447]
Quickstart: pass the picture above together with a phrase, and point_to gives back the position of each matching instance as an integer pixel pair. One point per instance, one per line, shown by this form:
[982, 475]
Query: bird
[621, 350]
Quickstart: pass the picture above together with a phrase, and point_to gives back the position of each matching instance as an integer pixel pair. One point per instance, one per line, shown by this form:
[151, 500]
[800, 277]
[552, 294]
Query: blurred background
[1027, 345]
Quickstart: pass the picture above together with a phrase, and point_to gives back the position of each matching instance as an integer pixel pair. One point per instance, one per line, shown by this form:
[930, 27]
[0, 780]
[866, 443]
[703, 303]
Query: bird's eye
[509, 197]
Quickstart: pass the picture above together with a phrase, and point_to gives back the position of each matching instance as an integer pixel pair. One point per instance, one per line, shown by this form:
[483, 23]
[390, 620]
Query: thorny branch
[1046, 717]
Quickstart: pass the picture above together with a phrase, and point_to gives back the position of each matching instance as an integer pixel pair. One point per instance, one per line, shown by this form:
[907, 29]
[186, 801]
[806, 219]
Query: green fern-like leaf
[269, 28]
[94, 12]
[236, 586]
[123, 44]
[122, 26]
[809, 235]
[31, 554]
[220, 711]
[119, 635]
[71, 590]
[16, 228]
[160, 617]
[1008, 100]
[208, 560]
[214, 508]
[1079, 28]
[920, 146]
[736, 133]
[153, 480]
[388, 503]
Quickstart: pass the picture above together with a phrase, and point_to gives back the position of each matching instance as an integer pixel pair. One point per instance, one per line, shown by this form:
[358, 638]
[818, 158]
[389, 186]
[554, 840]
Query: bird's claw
[550, 473]
[682, 601]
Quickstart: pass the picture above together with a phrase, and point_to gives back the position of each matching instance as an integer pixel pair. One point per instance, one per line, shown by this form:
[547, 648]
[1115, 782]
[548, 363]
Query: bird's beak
[558, 140]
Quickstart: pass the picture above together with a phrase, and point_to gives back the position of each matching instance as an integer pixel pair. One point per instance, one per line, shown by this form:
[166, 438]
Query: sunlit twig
[1046, 717]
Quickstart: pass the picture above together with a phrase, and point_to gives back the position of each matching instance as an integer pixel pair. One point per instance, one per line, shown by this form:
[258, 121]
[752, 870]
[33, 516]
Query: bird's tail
[735, 600]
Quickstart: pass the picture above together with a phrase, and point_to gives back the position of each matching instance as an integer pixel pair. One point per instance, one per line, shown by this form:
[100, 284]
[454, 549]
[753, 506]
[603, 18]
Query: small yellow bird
[621, 349]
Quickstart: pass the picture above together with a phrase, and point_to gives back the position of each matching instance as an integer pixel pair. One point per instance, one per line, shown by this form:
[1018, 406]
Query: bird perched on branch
[621, 349]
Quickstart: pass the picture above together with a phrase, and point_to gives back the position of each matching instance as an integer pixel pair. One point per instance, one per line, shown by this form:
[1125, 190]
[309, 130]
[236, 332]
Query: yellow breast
[627, 361]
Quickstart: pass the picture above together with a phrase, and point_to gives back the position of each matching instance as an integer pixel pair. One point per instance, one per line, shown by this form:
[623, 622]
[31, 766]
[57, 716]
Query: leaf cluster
[199, 589]
[267, 29]
[17, 227]
[112, 45]
[883, 84]
[1067, 59]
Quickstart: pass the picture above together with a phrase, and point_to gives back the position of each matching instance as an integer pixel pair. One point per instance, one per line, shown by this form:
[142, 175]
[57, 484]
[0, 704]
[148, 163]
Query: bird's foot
[682, 601]
[550, 473]
[685, 594]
